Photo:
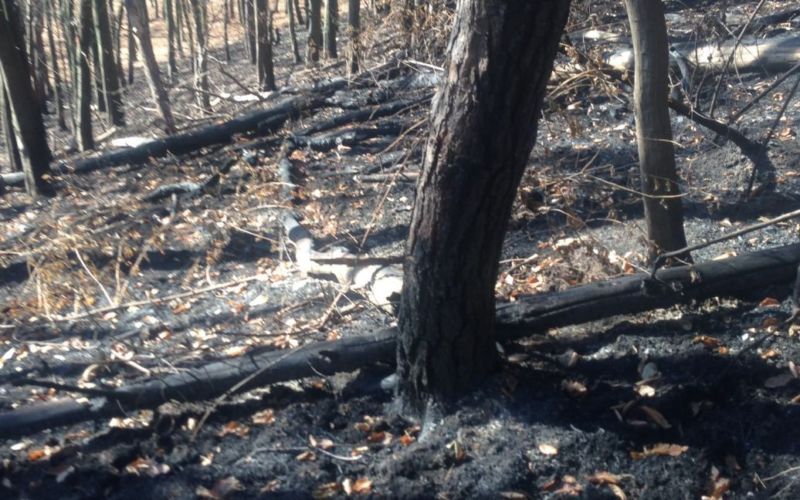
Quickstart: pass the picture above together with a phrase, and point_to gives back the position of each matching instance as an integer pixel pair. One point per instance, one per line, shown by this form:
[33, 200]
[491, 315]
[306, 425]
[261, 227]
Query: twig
[94, 278]
[765, 142]
[659, 261]
[729, 60]
[763, 93]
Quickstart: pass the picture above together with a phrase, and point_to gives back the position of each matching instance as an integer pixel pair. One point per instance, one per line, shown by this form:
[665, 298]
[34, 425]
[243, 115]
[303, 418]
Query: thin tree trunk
[26, 114]
[131, 47]
[331, 26]
[137, 11]
[14, 160]
[201, 63]
[483, 128]
[179, 25]
[266, 72]
[293, 32]
[299, 16]
[250, 30]
[169, 16]
[111, 92]
[354, 35]
[57, 82]
[314, 32]
[187, 19]
[118, 43]
[83, 87]
[663, 209]
[225, 22]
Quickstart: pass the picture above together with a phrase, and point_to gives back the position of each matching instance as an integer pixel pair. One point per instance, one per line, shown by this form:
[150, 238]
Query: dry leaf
[644, 390]
[707, 341]
[660, 450]
[769, 302]
[514, 495]
[617, 491]
[235, 428]
[656, 416]
[306, 456]
[574, 388]
[603, 478]
[265, 417]
[270, 487]
[327, 490]
[406, 439]
[362, 486]
[770, 321]
[35, 455]
[548, 449]
[769, 354]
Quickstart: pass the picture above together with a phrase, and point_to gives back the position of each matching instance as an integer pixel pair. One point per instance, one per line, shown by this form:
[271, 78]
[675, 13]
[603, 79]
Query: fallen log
[12, 179]
[736, 276]
[751, 54]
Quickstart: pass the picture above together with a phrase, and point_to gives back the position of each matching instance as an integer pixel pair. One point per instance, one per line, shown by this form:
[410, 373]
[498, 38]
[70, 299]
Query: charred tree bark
[314, 32]
[111, 92]
[354, 26]
[83, 86]
[57, 81]
[169, 15]
[484, 122]
[26, 114]
[265, 68]
[293, 32]
[297, 11]
[14, 160]
[225, 22]
[131, 46]
[331, 26]
[137, 12]
[663, 209]
[250, 30]
[201, 54]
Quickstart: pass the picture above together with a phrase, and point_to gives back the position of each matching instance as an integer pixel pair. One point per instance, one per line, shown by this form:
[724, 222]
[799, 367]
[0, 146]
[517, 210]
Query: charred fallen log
[736, 277]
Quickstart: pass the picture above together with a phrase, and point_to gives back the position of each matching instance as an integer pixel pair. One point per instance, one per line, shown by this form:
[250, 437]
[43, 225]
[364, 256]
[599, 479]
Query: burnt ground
[699, 399]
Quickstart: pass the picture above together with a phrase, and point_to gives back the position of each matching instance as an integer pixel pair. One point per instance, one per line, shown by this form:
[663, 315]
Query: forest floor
[100, 287]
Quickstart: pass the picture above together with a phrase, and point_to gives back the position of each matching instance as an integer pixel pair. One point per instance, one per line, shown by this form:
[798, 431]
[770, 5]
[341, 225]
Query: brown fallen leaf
[660, 450]
[603, 477]
[306, 456]
[707, 341]
[362, 486]
[327, 490]
[617, 491]
[264, 417]
[574, 388]
[235, 428]
[769, 302]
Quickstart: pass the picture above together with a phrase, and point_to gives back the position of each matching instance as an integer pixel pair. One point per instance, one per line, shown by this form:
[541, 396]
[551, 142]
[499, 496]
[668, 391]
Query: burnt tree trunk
[169, 17]
[331, 18]
[293, 32]
[58, 86]
[314, 32]
[354, 27]
[137, 14]
[14, 160]
[266, 71]
[83, 86]
[201, 54]
[109, 78]
[26, 114]
[483, 128]
[663, 209]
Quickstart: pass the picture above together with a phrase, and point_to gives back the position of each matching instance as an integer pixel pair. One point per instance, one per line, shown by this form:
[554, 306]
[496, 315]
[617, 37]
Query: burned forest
[400, 249]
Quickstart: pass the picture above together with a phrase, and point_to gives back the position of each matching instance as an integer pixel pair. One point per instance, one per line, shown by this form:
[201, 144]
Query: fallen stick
[736, 276]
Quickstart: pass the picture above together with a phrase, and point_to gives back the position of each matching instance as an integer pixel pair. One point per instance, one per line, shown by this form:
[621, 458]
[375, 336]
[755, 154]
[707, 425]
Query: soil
[692, 401]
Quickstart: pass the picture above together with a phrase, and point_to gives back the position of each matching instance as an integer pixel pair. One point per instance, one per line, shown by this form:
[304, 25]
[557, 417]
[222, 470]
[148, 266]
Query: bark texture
[484, 123]
[26, 114]
[663, 209]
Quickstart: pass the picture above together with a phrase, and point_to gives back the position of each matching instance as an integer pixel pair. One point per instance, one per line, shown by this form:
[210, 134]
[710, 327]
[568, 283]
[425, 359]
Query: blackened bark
[663, 209]
[331, 26]
[293, 32]
[354, 26]
[110, 88]
[201, 54]
[266, 72]
[250, 30]
[137, 14]
[57, 82]
[169, 15]
[484, 123]
[14, 161]
[83, 87]
[26, 114]
[297, 11]
[314, 32]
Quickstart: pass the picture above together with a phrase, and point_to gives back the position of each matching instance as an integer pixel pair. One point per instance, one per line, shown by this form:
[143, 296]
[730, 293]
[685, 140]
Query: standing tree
[137, 15]
[314, 32]
[169, 17]
[109, 78]
[201, 54]
[83, 85]
[293, 32]
[266, 72]
[483, 127]
[354, 35]
[26, 114]
[663, 209]
[14, 161]
[331, 26]
[57, 82]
